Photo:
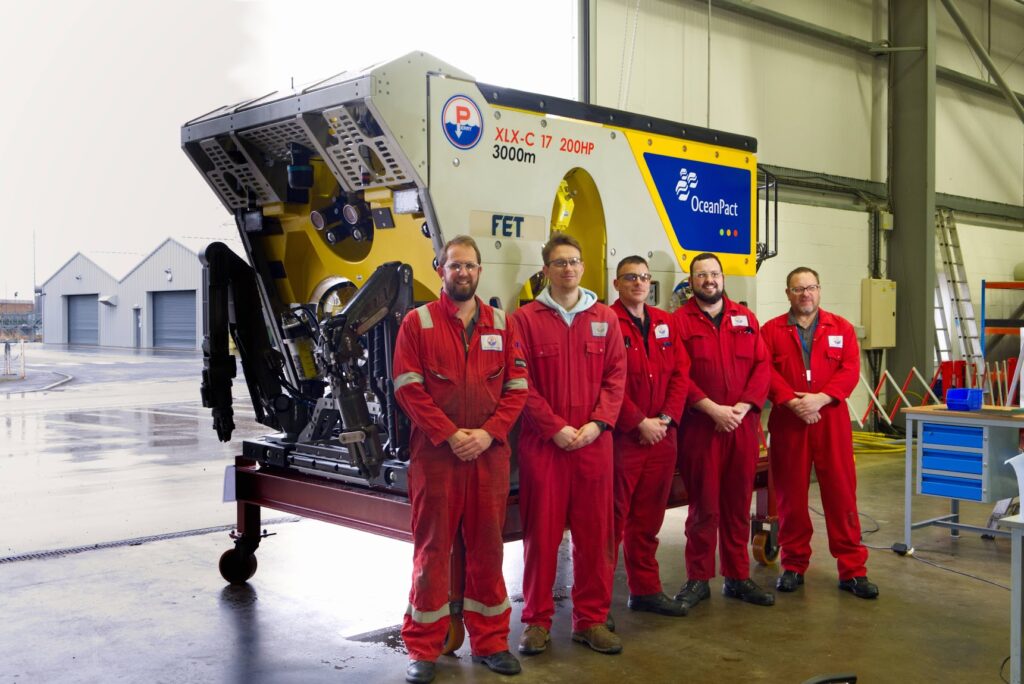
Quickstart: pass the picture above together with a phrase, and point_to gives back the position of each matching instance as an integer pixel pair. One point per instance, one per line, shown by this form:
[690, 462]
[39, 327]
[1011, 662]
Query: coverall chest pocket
[493, 377]
[545, 363]
[834, 355]
[587, 382]
[743, 341]
[441, 384]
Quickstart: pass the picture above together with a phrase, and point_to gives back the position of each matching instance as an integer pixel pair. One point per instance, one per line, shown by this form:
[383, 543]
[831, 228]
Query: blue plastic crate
[963, 399]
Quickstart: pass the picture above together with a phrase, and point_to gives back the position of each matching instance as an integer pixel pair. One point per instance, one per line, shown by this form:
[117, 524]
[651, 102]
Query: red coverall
[828, 444]
[656, 382]
[577, 374]
[443, 383]
[727, 365]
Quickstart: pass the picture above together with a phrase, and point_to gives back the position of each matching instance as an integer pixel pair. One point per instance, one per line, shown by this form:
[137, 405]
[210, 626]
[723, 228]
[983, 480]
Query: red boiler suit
[444, 382]
[577, 374]
[727, 365]
[656, 381]
[828, 444]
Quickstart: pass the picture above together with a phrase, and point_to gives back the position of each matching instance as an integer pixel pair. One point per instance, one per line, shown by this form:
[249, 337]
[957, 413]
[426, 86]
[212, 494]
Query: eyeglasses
[458, 267]
[809, 288]
[707, 275]
[565, 263]
[633, 277]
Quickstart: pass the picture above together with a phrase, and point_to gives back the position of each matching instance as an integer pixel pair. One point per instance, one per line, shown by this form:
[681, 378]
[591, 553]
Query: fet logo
[687, 181]
[463, 124]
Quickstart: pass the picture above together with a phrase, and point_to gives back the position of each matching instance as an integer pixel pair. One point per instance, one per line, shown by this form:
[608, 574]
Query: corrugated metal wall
[78, 276]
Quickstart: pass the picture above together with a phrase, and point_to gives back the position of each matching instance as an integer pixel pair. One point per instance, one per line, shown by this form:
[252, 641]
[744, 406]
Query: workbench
[960, 456]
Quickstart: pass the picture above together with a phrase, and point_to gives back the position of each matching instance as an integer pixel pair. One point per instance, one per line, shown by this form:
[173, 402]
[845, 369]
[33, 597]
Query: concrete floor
[108, 461]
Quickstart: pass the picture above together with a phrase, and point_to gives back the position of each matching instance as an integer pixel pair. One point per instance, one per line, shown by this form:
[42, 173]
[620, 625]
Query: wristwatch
[602, 426]
[664, 417]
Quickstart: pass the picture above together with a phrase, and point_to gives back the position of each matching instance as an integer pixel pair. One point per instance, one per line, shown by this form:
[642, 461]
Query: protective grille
[243, 173]
[272, 139]
[346, 153]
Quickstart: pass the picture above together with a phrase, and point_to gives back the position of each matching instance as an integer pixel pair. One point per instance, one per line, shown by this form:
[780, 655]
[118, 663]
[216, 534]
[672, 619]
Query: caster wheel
[236, 567]
[765, 553]
[456, 635]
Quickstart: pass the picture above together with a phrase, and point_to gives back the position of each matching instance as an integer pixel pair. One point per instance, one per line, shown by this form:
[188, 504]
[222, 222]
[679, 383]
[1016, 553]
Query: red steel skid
[380, 512]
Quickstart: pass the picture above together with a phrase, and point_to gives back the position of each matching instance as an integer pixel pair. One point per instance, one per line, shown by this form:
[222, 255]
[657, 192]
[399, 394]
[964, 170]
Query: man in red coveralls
[815, 366]
[718, 442]
[577, 376]
[460, 376]
[645, 433]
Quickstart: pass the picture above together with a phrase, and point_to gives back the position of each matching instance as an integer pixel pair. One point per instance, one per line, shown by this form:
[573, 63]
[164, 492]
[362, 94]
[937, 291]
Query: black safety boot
[692, 593]
[420, 672]
[502, 662]
[789, 581]
[860, 587]
[657, 603]
[747, 590]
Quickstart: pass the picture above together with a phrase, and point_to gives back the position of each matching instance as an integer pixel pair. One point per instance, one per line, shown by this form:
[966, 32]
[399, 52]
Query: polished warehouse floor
[138, 467]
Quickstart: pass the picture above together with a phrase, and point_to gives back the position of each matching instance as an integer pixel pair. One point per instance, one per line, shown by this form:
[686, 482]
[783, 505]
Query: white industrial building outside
[158, 303]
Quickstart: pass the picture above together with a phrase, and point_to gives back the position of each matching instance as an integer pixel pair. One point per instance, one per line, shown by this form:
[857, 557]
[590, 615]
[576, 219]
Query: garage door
[83, 319]
[174, 319]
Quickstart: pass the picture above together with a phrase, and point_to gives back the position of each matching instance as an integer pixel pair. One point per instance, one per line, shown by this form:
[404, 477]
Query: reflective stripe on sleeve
[499, 319]
[429, 617]
[407, 378]
[425, 320]
[515, 384]
[486, 611]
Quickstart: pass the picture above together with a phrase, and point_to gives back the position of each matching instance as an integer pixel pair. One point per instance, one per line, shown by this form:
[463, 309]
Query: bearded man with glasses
[460, 376]
[815, 366]
[718, 440]
[577, 379]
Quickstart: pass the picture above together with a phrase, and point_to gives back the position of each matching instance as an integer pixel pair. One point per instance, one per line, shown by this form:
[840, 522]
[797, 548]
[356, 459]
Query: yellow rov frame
[331, 183]
[409, 153]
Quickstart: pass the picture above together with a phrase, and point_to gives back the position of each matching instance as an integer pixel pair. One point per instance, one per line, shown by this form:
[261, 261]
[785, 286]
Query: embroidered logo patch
[835, 341]
[599, 328]
[661, 332]
[740, 322]
[490, 342]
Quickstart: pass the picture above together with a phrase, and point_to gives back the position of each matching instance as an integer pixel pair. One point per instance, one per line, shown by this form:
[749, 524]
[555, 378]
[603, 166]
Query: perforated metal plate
[273, 139]
[242, 172]
[348, 162]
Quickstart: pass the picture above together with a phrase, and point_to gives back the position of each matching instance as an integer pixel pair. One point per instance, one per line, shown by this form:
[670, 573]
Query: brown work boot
[600, 639]
[534, 640]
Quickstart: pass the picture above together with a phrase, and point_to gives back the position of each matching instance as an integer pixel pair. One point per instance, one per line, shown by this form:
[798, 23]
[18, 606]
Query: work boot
[692, 593]
[600, 639]
[502, 662]
[420, 672]
[534, 640]
[657, 603]
[789, 580]
[747, 590]
[860, 587]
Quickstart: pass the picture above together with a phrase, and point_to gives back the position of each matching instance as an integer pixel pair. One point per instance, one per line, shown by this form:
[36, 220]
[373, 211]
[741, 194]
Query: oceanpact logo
[463, 124]
[687, 182]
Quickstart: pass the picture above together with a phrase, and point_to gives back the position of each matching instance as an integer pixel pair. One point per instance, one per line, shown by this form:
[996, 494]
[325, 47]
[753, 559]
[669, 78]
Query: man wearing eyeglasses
[645, 433]
[815, 367]
[460, 376]
[718, 441]
[577, 378]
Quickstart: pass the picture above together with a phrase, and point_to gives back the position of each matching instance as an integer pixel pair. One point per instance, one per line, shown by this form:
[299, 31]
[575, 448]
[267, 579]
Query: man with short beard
[460, 376]
[718, 440]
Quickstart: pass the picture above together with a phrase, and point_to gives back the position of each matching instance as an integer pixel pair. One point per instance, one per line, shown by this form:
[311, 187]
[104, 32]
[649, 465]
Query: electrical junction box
[878, 313]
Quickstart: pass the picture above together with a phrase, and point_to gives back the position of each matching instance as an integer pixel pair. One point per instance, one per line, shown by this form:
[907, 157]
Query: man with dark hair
[460, 376]
[718, 442]
[645, 433]
[577, 376]
[815, 367]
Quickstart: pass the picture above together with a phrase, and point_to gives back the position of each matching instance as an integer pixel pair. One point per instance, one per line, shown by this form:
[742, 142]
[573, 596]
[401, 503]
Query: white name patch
[835, 341]
[661, 332]
[599, 328]
[490, 342]
[740, 322]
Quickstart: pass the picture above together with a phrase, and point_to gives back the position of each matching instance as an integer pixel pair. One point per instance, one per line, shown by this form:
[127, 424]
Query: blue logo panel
[462, 121]
[707, 204]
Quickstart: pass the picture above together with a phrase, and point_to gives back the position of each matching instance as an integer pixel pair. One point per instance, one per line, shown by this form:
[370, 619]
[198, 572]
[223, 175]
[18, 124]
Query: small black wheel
[237, 567]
